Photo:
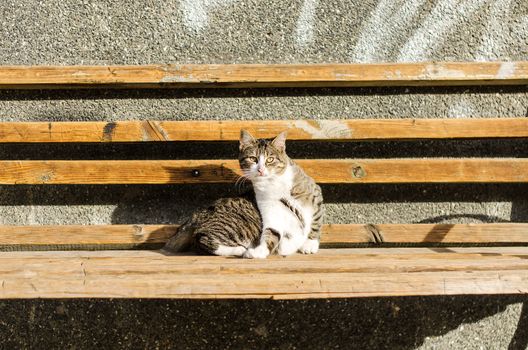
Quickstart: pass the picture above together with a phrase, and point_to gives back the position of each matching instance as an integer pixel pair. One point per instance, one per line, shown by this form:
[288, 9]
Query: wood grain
[329, 130]
[263, 75]
[426, 233]
[409, 170]
[334, 234]
[56, 235]
[158, 254]
[348, 274]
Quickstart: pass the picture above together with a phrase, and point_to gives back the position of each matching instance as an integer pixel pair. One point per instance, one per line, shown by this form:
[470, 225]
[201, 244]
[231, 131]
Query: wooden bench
[387, 259]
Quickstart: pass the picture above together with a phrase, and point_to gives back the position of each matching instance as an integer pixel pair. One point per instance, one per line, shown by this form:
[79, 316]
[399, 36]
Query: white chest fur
[268, 192]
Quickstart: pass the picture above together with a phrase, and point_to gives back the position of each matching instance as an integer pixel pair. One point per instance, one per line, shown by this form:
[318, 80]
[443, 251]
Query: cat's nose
[261, 171]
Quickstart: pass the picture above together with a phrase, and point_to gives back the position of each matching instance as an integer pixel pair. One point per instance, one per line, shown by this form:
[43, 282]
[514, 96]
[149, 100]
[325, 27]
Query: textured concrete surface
[371, 323]
[251, 31]
[491, 102]
[211, 31]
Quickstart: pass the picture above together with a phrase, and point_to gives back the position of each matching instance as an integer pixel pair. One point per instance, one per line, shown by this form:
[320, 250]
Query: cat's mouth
[260, 176]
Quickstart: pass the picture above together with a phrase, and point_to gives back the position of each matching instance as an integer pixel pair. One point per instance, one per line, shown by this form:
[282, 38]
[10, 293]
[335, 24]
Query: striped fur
[227, 223]
[272, 239]
[295, 211]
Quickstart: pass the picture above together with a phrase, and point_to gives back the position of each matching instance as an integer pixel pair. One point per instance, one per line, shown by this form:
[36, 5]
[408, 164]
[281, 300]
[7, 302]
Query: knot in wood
[358, 171]
[138, 231]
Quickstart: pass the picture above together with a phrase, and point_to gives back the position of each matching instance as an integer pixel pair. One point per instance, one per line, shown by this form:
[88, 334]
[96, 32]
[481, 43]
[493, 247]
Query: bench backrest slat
[267, 75]
[117, 236]
[300, 130]
[324, 171]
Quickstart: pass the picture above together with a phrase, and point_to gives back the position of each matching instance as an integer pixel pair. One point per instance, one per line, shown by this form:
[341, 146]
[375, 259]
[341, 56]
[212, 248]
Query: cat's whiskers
[241, 181]
[241, 184]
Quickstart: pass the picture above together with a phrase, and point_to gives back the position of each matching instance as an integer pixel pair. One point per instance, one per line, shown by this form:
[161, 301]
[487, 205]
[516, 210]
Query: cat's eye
[270, 160]
[253, 159]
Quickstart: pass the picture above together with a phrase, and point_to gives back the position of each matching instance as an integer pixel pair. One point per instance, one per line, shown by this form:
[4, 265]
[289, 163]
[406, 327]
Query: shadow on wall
[520, 337]
[519, 211]
[158, 204]
[145, 94]
[363, 323]
[510, 148]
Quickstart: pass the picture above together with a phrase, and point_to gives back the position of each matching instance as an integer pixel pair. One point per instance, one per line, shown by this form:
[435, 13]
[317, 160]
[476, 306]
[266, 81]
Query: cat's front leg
[310, 246]
[268, 243]
[259, 252]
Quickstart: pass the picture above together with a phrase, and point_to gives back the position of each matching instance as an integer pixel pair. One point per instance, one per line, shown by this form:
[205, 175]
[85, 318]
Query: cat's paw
[311, 246]
[223, 250]
[287, 247]
[259, 252]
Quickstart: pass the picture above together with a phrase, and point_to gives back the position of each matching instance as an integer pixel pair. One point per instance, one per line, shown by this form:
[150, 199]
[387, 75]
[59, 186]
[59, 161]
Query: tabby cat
[289, 201]
[283, 217]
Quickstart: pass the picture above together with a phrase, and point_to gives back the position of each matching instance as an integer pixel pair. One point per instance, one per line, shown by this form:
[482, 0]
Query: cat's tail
[181, 240]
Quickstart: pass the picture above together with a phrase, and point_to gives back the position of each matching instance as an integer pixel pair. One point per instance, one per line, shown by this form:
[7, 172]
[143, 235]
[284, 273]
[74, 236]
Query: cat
[289, 201]
[227, 227]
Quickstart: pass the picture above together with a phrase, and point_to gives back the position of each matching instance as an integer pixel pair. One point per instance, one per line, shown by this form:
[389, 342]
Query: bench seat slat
[408, 170]
[322, 130]
[349, 274]
[266, 75]
[105, 236]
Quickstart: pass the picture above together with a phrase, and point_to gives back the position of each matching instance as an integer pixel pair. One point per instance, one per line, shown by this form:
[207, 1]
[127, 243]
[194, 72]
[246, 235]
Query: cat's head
[260, 158]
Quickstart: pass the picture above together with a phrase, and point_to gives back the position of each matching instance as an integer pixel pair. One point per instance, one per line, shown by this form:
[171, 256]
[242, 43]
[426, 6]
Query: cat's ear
[246, 139]
[279, 142]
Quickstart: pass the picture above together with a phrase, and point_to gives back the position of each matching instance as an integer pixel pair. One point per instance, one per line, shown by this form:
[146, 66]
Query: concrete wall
[252, 31]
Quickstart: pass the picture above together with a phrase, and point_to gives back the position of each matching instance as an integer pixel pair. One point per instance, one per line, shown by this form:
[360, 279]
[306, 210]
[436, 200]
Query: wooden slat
[426, 233]
[59, 235]
[154, 255]
[267, 75]
[430, 170]
[333, 234]
[341, 130]
[350, 273]
[326, 261]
